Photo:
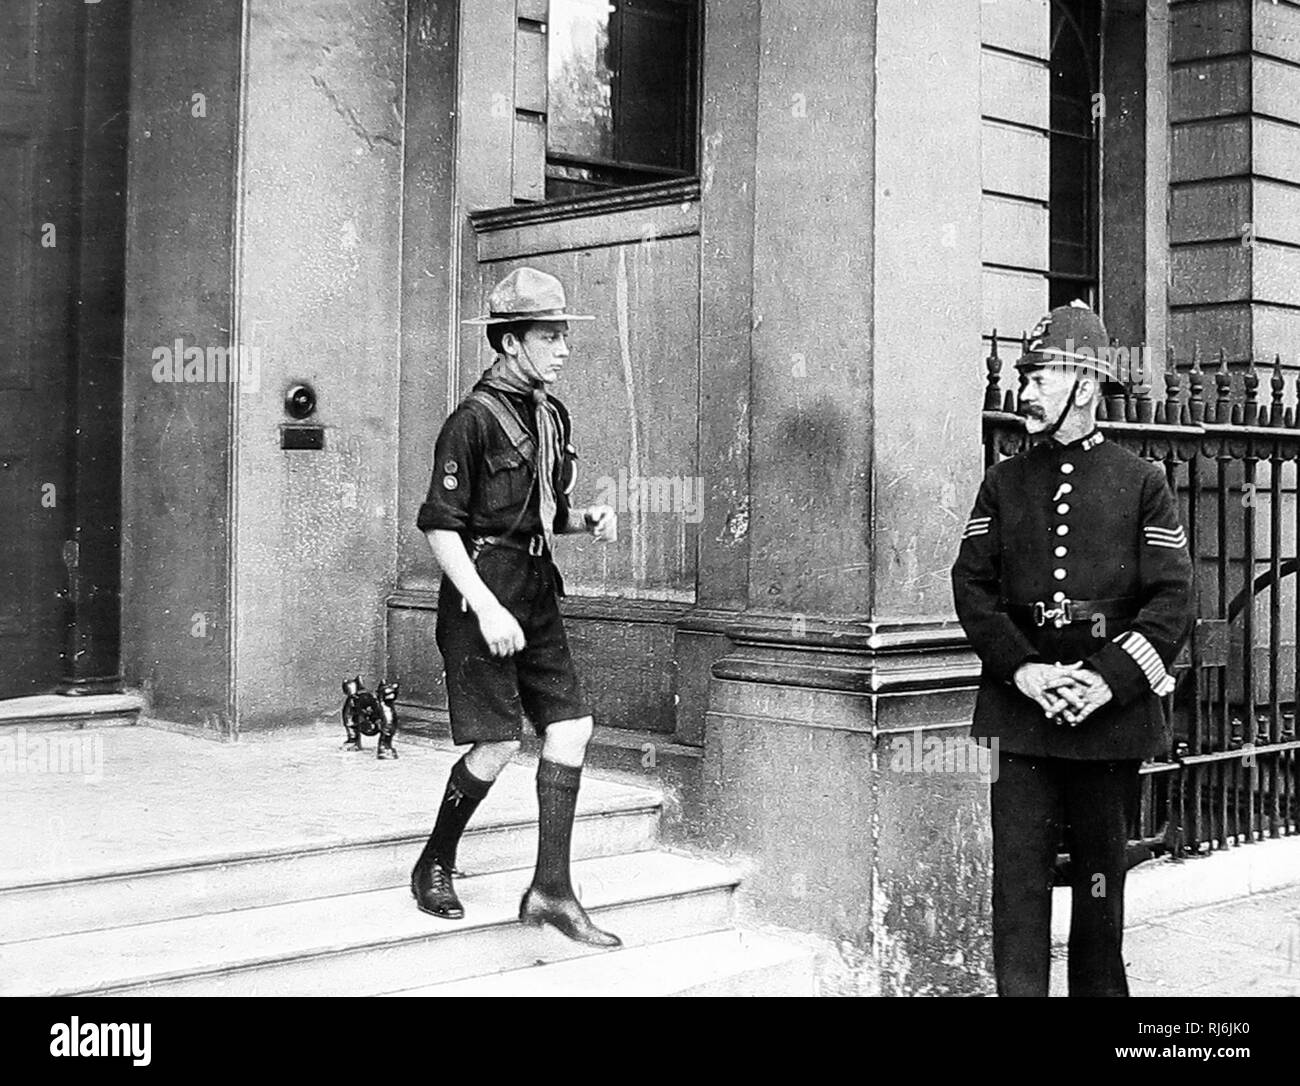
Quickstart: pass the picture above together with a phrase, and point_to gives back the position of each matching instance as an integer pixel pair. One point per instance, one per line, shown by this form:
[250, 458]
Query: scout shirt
[481, 482]
[1086, 521]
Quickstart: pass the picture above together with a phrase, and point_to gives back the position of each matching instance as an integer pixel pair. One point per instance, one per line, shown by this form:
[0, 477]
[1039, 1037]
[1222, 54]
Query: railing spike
[992, 392]
[1142, 410]
[1250, 409]
[1223, 390]
[1196, 390]
[1173, 390]
[1277, 412]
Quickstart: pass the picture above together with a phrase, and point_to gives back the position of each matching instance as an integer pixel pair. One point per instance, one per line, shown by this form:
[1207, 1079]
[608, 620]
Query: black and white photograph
[528, 499]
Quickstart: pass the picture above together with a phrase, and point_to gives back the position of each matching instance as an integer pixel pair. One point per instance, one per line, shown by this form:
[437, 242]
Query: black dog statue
[387, 700]
[365, 713]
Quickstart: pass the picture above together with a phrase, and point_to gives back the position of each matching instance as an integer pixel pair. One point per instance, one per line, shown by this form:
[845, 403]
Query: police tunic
[1075, 553]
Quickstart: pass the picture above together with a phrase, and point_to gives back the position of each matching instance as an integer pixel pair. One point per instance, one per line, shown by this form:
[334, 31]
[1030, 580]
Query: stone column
[864, 459]
[177, 547]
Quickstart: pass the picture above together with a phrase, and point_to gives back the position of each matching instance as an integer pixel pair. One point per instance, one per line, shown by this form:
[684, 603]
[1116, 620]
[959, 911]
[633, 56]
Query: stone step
[723, 963]
[58, 712]
[609, 823]
[371, 943]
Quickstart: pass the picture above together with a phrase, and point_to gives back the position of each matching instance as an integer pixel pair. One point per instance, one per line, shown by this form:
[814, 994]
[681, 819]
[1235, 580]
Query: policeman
[1073, 584]
[504, 469]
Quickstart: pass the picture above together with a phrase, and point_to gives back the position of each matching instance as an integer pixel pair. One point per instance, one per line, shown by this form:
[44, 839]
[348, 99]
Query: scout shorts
[488, 696]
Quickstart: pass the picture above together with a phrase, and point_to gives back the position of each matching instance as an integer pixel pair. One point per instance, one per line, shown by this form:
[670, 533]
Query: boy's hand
[601, 522]
[500, 631]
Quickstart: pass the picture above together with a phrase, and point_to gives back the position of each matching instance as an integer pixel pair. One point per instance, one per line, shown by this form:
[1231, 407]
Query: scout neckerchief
[499, 377]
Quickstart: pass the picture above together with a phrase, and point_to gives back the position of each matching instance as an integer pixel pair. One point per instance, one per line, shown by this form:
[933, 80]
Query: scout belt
[1065, 612]
[532, 544]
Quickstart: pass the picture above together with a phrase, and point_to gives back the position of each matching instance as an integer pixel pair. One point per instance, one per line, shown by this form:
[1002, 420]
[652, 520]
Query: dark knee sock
[464, 793]
[557, 798]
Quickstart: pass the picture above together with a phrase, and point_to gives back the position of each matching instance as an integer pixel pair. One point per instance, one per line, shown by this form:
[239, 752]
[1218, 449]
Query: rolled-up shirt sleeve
[451, 488]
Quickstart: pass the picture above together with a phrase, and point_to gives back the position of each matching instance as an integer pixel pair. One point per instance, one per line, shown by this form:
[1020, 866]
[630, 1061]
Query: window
[621, 93]
[1075, 162]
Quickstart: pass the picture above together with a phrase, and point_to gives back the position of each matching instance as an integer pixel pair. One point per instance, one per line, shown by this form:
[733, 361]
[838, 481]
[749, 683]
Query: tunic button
[1060, 552]
[1062, 508]
[1059, 574]
[1066, 469]
[1062, 529]
[1058, 596]
[1066, 488]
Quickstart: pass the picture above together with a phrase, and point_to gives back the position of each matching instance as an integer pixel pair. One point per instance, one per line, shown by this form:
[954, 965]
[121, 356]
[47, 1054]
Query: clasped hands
[1068, 693]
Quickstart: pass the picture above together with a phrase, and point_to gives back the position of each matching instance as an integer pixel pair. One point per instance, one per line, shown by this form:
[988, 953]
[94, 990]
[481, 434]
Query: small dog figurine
[365, 713]
[387, 703]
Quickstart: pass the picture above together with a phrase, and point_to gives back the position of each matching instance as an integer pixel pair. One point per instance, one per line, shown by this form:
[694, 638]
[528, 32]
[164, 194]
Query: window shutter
[528, 171]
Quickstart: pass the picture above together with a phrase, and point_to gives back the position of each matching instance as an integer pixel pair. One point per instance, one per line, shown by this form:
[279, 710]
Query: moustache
[1033, 413]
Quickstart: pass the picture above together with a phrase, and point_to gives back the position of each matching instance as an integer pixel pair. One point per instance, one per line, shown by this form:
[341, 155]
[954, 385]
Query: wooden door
[40, 141]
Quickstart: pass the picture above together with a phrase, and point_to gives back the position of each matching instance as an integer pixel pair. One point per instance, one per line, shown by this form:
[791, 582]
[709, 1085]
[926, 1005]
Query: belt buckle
[536, 544]
[1061, 615]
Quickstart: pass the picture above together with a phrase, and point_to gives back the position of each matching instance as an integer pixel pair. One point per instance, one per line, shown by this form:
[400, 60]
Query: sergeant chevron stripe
[977, 526]
[1174, 538]
[1146, 657]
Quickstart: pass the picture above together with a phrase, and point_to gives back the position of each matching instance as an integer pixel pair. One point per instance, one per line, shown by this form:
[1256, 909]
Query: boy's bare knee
[566, 740]
[577, 730]
[486, 760]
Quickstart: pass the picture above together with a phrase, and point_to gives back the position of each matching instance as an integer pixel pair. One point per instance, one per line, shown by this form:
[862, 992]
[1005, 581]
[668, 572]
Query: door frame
[92, 553]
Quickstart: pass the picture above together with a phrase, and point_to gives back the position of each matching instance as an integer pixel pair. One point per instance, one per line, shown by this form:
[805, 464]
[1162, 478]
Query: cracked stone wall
[318, 296]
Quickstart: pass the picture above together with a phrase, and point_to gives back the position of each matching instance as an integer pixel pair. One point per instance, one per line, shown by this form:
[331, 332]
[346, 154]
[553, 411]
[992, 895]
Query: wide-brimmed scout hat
[527, 294]
[1071, 335]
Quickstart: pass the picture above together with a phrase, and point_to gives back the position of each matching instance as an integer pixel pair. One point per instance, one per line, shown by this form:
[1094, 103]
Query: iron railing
[1231, 774]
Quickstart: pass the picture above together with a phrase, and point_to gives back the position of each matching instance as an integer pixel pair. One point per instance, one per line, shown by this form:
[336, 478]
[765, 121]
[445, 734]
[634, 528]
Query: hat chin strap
[535, 376]
[1069, 402]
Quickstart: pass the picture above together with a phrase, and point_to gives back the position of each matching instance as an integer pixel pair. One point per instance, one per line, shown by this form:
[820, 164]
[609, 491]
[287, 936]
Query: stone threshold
[50, 711]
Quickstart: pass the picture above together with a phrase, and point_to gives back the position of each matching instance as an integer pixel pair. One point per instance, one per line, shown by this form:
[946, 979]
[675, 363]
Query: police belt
[1066, 612]
[530, 544]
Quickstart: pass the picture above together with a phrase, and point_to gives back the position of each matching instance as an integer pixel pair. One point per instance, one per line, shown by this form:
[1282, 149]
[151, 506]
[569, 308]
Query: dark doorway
[62, 153]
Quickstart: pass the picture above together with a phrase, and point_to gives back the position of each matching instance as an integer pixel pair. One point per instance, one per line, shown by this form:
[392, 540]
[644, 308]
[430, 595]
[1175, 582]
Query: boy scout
[503, 472]
[1073, 584]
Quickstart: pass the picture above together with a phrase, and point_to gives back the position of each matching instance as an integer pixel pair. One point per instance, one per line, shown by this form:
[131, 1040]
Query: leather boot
[433, 890]
[564, 914]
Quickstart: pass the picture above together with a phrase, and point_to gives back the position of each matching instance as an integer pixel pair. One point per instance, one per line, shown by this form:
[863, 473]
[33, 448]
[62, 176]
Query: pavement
[94, 801]
[1226, 924]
